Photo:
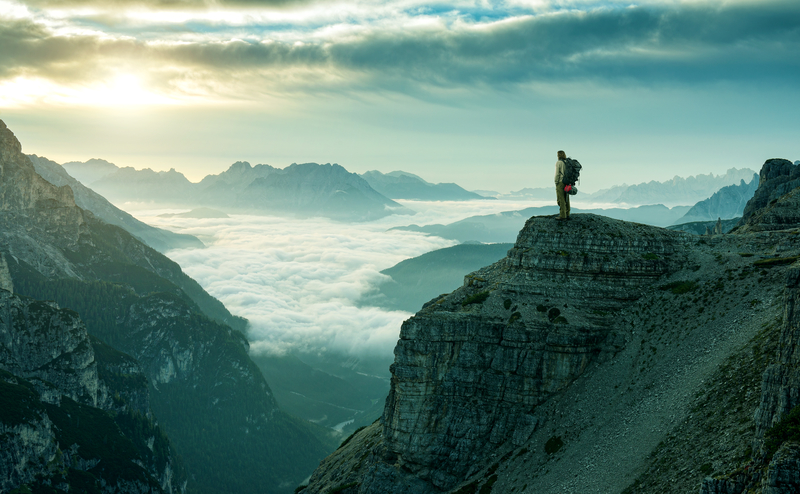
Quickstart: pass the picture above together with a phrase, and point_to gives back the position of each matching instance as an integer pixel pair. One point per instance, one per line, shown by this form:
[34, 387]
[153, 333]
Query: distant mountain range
[86, 198]
[307, 189]
[404, 185]
[678, 191]
[728, 202]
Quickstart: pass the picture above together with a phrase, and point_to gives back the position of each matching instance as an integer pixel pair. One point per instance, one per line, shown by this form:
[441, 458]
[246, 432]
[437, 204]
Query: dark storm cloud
[643, 45]
[29, 49]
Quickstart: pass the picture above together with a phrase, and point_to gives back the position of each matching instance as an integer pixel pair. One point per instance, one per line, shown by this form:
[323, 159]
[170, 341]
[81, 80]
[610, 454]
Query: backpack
[572, 171]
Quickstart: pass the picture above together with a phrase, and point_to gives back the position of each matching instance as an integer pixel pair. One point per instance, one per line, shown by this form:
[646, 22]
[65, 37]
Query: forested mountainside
[417, 280]
[204, 390]
[600, 356]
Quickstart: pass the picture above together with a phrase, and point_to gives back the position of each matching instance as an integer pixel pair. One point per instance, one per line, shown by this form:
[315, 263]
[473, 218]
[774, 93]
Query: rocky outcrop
[54, 398]
[39, 340]
[781, 386]
[775, 206]
[780, 214]
[771, 207]
[6, 283]
[472, 367]
[783, 474]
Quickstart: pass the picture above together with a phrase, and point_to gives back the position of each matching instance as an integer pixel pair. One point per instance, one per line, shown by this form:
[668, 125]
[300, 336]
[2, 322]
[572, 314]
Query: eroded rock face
[780, 391]
[24, 443]
[208, 394]
[471, 367]
[54, 391]
[773, 207]
[783, 474]
[6, 283]
[39, 340]
[782, 214]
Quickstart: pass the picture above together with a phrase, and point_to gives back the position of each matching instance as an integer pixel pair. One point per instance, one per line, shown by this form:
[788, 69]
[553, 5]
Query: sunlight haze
[477, 93]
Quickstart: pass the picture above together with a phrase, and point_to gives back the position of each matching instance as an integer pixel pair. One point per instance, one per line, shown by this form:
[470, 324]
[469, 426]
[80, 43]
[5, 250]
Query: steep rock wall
[777, 178]
[54, 396]
[780, 390]
[39, 340]
[471, 367]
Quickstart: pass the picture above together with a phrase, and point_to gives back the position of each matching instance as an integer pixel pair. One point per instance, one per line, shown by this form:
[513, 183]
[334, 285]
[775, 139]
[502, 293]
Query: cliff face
[772, 207]
[205, 391]
[598, 356]
[775, 464]
[473, 367]
[781, 386]
[469, 374]
[37, 340]
[29, 201]
[53, 377]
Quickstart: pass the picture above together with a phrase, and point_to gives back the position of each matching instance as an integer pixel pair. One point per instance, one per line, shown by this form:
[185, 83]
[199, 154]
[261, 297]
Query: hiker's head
[562, 155]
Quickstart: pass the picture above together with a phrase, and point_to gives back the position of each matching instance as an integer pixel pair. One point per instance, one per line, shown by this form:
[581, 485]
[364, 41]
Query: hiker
[561, 196]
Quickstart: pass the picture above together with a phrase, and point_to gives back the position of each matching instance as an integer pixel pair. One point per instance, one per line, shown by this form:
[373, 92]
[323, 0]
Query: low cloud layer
[298, 281]
[407, 46]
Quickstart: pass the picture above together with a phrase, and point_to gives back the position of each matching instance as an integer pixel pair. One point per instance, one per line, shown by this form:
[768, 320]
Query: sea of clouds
[298, 281]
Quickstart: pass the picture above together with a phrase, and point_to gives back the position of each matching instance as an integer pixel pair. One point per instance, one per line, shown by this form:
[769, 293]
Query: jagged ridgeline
[204, 391]
[601, 356]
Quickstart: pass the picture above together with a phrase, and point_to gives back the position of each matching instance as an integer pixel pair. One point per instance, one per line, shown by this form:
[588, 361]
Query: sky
[481, 93]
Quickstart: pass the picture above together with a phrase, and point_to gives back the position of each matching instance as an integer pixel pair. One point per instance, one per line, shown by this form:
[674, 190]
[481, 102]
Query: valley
[307, 310]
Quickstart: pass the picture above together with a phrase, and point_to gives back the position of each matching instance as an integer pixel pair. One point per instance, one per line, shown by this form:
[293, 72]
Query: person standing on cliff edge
[561, 196]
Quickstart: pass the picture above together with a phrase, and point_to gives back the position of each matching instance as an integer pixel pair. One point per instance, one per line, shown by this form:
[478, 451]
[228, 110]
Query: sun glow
[123, 90]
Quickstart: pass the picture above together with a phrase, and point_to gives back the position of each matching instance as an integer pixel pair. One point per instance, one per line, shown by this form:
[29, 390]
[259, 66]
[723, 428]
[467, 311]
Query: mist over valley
[310, 301]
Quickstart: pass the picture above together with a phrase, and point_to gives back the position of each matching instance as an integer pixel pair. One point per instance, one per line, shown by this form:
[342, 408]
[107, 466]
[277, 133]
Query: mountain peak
[776, 202]
[21, 188]
[240, 166]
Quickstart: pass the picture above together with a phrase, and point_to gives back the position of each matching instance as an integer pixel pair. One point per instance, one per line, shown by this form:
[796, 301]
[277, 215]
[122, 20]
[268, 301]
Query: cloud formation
[410, 45]
[298, 281]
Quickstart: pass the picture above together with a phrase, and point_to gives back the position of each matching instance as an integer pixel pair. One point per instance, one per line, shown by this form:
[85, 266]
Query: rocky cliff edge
[581, 362]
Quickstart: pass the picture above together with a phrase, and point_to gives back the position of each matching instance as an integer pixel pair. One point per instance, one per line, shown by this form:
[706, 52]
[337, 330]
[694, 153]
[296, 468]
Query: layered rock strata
[774, 207]
[471, 367]
[781, 385]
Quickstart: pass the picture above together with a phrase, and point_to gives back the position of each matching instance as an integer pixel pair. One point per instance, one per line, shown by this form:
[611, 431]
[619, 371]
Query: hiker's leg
[562, 201]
